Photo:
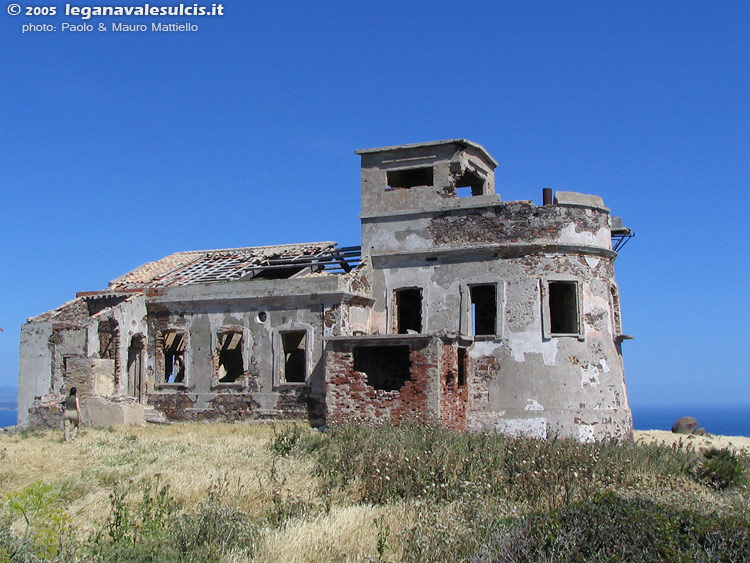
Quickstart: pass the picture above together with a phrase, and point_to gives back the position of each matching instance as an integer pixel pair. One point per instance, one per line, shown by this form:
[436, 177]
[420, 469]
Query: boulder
[685, 425]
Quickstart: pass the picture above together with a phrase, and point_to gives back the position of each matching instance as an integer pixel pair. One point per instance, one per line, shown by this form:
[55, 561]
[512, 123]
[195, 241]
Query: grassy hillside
[237, 492]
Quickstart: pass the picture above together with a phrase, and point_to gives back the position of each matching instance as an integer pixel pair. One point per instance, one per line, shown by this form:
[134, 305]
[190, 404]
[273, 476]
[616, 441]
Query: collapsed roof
[234, 264]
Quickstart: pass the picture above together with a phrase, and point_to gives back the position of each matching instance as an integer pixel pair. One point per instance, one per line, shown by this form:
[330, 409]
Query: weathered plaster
[529, 342]
[34, 367]
[526, 372]
[532, 427]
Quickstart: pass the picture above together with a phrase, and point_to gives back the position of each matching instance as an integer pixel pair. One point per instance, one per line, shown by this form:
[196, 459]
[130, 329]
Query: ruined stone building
[459, 308]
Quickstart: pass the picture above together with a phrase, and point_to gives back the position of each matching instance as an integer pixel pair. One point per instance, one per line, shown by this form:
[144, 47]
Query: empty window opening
[174, 357]
[387, 367]
[135, 366]
[410, 178]
[65, 366]
[470, 184]
[409, 311]
[563, 307]
[109, 334]
[463, 362]
[294, 345]
[231, 364]
[483, 309]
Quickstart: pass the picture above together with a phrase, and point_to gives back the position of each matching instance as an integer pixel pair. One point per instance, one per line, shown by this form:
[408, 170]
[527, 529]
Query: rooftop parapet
[575, 199]
[508, 228]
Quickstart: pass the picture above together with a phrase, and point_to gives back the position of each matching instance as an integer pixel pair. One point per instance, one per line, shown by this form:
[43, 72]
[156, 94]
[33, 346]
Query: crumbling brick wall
[46, 412]
[453, 387]
[231, 406]
[109, 338]
[512, 222]
[479, 374]
[66, 342]
[173, 405]
[297, 403]
[349, 397]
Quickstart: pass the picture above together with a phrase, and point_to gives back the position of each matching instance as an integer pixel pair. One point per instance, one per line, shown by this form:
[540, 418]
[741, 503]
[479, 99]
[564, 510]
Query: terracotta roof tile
[207, 266]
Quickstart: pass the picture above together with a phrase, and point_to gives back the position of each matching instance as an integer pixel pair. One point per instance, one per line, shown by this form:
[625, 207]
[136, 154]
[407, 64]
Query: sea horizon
[729, 420]
[723, 420]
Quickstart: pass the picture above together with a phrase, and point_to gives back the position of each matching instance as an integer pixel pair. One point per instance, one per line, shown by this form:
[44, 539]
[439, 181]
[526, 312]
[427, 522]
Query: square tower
[424, 177]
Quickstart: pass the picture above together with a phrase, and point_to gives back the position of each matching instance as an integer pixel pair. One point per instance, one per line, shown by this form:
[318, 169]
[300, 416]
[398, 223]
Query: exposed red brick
[432, 392]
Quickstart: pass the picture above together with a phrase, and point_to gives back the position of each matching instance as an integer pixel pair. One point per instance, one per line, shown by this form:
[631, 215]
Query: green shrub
[411, 461]
[294, 439]
[286, 441]
[153, 529]
[13, 548]
[46, 527]
[720, 468]
[213, 530]
[611, 528]
[285, 505]
[136, 531]
[453, 532]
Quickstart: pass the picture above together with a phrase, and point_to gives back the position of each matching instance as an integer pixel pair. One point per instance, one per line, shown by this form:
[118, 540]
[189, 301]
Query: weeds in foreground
[285, 504]
[285, 441]
[460, 497]
[215, 528]
[430, 462]
[610, 528]
[153, 529]
[134, 530]
[384, 532]
[469, 489]
[293, 439]
[45, 526]
[720, 468]
[152, 515]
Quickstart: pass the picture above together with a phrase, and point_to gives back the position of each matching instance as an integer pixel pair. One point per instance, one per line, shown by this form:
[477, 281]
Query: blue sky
[119, 148]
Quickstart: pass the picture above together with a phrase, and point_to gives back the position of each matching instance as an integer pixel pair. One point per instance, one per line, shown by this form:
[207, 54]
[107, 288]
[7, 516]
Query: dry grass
[346, 533]
[190, 458]
[740, 444]
[300, 521]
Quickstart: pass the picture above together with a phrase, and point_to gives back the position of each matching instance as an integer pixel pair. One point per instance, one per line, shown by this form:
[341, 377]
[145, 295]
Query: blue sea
[8, 418]
[728, 421]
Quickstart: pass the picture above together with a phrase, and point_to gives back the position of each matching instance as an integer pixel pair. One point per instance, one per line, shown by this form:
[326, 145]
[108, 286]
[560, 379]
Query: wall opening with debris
[170, 356]
[135, 365]
[387, 367]
[230, 365]
[470, 184]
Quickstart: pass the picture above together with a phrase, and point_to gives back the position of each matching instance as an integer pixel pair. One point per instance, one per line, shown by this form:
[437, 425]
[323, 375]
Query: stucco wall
[34, 367]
